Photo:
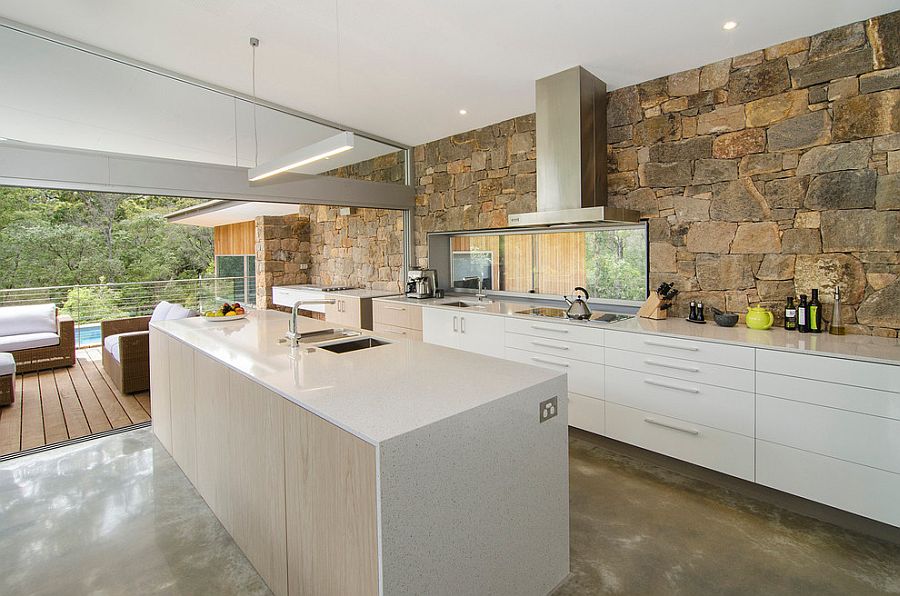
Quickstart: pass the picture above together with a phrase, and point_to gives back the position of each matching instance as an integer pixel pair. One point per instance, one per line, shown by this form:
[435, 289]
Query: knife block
[652, 308]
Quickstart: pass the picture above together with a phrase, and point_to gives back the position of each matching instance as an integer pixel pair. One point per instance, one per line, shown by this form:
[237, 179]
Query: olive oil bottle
[790, 315]
[803, 315]
[815, 313]
[837, 326]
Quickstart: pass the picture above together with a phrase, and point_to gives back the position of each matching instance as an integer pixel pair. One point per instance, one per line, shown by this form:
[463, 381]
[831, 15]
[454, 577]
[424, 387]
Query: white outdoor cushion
[111, 343]
[24, 341]
[7, 364]
[161, 311]
[177, 312]
[29, 318]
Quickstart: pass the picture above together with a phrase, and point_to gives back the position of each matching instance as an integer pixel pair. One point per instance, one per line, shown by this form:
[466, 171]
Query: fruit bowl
[227, 312]
[223, 318]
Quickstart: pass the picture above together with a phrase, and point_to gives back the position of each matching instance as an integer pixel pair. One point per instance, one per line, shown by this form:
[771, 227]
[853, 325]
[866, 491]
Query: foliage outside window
[611, 263]
[243, 269]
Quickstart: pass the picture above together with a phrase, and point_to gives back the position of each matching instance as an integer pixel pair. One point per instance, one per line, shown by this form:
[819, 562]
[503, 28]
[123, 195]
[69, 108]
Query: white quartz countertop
[856, 347]
[356, 292]
[376, 393]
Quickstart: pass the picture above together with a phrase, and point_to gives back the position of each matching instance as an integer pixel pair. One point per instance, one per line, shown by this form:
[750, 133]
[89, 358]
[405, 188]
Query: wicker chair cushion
[111, 343]
[26, 341]
[7, 364]
[29, 318]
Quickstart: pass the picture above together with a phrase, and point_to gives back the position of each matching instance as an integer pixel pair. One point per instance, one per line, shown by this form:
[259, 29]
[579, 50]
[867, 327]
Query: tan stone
[723, 119]
[761, 80]
[724, 272]
[651, 112]
[666, 127]
[622, 181]
[893, 162]
[692, 209]
[684, 83]
[868, 115]
[807, 219]
[715, 75]
[801, 241]
[843, 88]
[760, 163]
[768, 110]
[748, 59]
[880, 280]
[757, 238]
[887, 194]
[662, 257]
[738, 144]
[880, 308]
[860, 230]
[738, 200]
[675, 105]
[688, 126]
[828, 271]
[776, 267]
[787, 48]
[710, 237]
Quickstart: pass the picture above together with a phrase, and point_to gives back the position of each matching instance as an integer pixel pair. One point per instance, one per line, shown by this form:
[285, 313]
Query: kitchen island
[402, 468]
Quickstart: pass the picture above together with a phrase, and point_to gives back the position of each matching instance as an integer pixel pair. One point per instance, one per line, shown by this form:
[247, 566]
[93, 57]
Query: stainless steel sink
[353, 345]
[467, 304]
[315, 337]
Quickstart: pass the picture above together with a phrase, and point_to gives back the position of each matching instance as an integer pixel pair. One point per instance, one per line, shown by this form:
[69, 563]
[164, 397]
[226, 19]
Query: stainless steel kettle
[578, 309]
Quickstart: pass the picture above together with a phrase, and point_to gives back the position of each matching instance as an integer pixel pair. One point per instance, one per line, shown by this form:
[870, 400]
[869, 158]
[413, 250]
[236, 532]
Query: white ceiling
[402, 69]
[222, 212]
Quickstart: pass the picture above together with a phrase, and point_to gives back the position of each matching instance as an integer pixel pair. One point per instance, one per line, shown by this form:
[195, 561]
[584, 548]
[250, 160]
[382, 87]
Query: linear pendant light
[305, 155]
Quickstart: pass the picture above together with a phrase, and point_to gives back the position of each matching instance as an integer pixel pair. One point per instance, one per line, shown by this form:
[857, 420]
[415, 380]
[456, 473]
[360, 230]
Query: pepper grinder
[700, 316]
[693, 315]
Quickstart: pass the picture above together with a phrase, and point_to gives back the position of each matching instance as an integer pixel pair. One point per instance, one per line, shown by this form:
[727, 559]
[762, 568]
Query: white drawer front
[563, 331]
[697, 351]
[695, 443]
[833, 395]
[555, 347]
[584, 377]
[392, 332]
[717, 407]
[851, 487]
[587, 413]
[885, 377]
[283, 297]
[858, 438]
[699, 372]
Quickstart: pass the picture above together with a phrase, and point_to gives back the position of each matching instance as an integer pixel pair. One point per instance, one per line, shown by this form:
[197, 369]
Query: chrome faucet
[293, 334]
[480, 295]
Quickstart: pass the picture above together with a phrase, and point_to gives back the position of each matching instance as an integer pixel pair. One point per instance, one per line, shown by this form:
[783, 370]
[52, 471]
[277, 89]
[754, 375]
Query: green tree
[93, 303]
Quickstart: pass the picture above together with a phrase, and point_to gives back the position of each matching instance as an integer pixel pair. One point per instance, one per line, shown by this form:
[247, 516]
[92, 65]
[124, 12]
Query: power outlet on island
[549, 408]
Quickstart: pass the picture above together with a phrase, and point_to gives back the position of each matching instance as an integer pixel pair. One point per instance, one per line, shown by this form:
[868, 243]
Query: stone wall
[282, 254]
[761, 176]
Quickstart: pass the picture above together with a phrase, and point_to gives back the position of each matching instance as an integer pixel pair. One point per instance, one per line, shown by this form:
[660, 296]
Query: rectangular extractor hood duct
[571, 154]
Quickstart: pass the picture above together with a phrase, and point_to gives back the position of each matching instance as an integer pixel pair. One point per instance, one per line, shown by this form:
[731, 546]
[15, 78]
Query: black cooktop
[560, 313]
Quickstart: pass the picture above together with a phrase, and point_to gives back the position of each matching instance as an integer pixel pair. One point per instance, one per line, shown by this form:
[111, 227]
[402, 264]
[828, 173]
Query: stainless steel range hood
[571, 154]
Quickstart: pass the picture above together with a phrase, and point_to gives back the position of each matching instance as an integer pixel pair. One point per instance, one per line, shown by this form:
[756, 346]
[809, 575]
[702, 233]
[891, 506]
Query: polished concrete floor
[116, 516]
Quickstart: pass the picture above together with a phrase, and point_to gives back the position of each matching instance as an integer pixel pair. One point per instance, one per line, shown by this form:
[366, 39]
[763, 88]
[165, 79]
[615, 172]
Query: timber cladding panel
[235, 239]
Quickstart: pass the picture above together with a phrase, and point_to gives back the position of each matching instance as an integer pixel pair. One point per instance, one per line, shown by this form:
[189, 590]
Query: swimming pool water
[87, 335]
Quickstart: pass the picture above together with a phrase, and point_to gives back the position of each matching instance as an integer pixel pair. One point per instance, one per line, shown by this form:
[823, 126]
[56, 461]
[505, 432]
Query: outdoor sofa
[37, 336]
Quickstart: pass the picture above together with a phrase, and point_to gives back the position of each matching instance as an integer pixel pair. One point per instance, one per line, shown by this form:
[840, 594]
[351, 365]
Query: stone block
[843, 88]
[787, 48]
[839, 40]
[893, 162]
[625, 159]
[724, 272]
[807, 219]
[884, 36]
[761, 163]
[687, 150]
[800, 132]
[623, 107]
[850, 189]
[886, 143]
[666, 127]
[776, 267]
[737, 201]
[738, 144]
[653, 93]
[684, 83]
[692, 209]
[748, 59]
[880, 280]
[800, 241]
[768, 110]
[831, 158]
[710, 237]
[674, 105]
[658, 230]
[708, 171]
[869, 115]
[828, 271]
[662, 257]
[723, 119]
[787, 193]
[757, 238]
[818, 93]
[880, 308]
[715, 75]
[860, 230]
[642, 200]
[665, 174]
[619, 134]
[774, 291]
[836, 67]
[622, 181]
[887, 193]
[761, 80]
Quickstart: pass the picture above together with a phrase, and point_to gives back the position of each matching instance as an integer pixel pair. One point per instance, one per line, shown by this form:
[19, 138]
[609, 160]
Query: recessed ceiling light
[729, 25]
[463, 112]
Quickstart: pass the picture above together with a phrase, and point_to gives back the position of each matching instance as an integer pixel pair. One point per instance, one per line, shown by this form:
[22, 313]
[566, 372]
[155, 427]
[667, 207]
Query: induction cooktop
[552, 312]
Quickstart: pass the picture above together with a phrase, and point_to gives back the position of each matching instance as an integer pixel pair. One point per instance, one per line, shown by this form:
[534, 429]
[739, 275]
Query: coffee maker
[421, 283]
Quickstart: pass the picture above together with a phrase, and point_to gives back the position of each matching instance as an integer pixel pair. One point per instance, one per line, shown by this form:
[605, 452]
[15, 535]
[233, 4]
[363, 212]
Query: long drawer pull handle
[689, 431]
[562, 364]
[675, 366]
[543, 345]
[542, 328]
[455, 324]
[396, 307]
[673, 346]
[675, 387]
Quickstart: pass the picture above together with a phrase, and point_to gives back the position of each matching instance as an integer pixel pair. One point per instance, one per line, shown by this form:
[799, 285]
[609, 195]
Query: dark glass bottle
[790, 315]
[803, 315]
[815, 313]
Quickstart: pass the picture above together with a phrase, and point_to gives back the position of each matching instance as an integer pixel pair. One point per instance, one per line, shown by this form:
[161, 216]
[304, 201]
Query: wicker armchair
[131, 370]
[57, 356]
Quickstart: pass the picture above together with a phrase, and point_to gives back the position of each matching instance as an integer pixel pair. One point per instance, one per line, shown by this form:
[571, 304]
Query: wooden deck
[67, 403]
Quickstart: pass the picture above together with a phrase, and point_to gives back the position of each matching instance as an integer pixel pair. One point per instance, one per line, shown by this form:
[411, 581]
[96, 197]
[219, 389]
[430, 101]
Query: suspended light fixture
[305, 155]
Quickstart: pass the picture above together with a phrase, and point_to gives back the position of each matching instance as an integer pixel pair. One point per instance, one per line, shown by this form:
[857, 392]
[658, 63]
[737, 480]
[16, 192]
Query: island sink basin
[464, 304]
[353, 345]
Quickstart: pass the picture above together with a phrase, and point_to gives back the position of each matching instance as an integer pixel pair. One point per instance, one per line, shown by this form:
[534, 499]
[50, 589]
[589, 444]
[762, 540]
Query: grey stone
[839, 40]
[658, 230]
[665, 174]
[851, 189]
[654, 92]
[818, 93]
[710, 237]
[715, 75]
[733, 201]
[880, 308]
[776, 267]
[800, 132]
[619, 134]
[662, 257]
[831, 158]
[774, 291]
[724, 272]
[708, 171]
[761, 163]
[666, 127]
[860, 230]
[870, 115]
[787, 193]
[642, 200]
[879, 80]
[690, 149]
[884, 35]
[887, 143]
[623, 107]
[691, 209]
[761, 80]
[887, 193]
[684, 83]
[836, 67]
[801, 241]
[757, 238]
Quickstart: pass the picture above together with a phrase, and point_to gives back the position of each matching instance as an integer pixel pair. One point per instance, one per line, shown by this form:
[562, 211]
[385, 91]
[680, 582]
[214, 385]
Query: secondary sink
[353, 345]
[464, 304]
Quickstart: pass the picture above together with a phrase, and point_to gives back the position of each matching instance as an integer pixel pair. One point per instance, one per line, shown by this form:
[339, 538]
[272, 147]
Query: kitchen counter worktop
[376, 393]
[355, 293]
[857, 347]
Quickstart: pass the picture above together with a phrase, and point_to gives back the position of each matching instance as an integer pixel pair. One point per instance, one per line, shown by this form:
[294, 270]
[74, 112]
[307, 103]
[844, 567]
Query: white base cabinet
[472, 332]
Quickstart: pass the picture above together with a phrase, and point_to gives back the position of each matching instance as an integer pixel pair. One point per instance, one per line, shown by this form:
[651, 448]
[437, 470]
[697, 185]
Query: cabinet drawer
[555, 347]
[283, 297]
[832, 395]
[885, 377]
[859, 438]
[717, 407]
[699, 372]
[398, 314]
[583, 377]
[695, 443]
[697, 351]
[587, 413]
[851, 487]
[563, 331]
[392, 332]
